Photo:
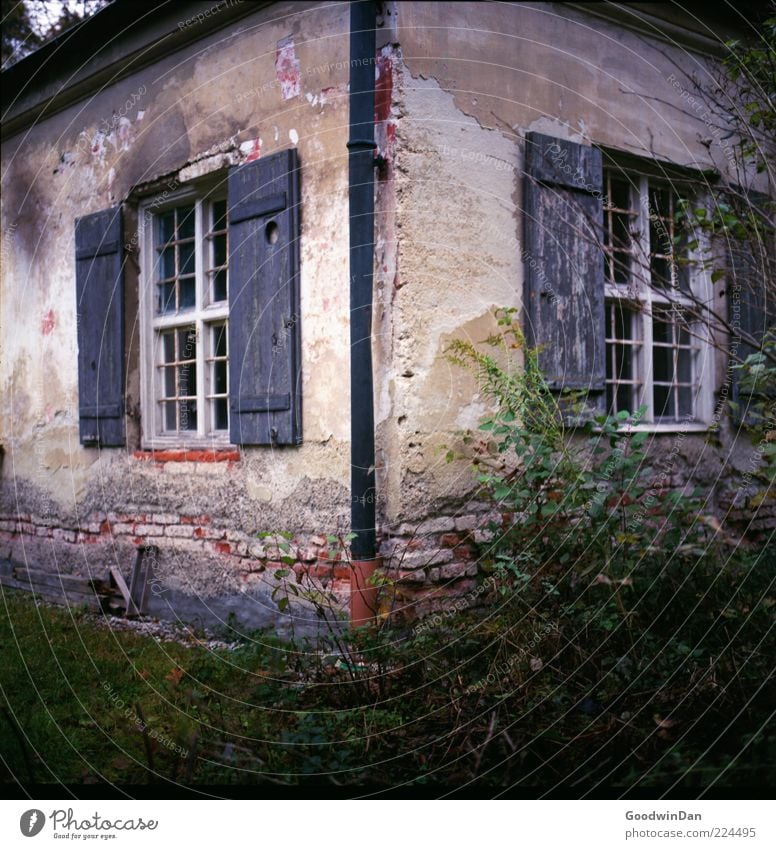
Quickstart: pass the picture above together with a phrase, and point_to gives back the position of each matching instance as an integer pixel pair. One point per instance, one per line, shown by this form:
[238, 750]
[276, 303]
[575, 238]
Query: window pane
[167, 264]
[219, 250]
[685, 401]
[221, 414]
[219, 215]
[663, 364]
[169, 415]
[664, 402]
[186, 258]
[660, 271]
[169, 383]
[166, 228]
[185, 222]
[662, 330]
[188, 293]
[219, 340]
[166, 298]
[684, 366]
[168, 347]
[187, 344]
[625, 399]
[219, 387]
[188, 415]
[623, 322]
[219, 286]
[187, 381]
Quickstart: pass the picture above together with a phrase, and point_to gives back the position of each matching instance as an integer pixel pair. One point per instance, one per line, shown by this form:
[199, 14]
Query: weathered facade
[153, 122]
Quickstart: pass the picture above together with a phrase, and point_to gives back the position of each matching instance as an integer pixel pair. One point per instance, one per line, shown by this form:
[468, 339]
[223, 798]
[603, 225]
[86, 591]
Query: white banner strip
[388, 824]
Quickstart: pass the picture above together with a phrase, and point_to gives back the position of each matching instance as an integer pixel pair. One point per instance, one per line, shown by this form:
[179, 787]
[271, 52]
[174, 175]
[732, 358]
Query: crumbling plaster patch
[458, 256]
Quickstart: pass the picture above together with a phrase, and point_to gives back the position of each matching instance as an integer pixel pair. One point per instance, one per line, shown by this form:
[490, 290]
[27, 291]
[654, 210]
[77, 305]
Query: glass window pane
[219, 215]
[169, 382]
[219, 286]
[623, 322]
[186, 258]
[166, 298]
[168, 347]
[187, 344]
[166, 268]
[188, 293]
[219, 250]
[219, 340]
[185, 222]
[166, 228]
[660, 203]
[662, 327]
[684, 366]
[219, 382]
[624, 362]
[685, 401]
[221, 414]
[624, 398]
[169, 415]
[188, 415]
[660, 272]
[663, 364]
[622, 265]
[664, 401]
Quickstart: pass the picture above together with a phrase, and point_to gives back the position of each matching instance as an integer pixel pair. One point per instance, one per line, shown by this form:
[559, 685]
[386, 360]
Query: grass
[482, 702]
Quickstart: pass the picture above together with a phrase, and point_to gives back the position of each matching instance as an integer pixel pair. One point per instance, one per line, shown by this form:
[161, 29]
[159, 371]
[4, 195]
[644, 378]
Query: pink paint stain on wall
[385, 125]
[48, 323]
[251, 150]
[287, 69]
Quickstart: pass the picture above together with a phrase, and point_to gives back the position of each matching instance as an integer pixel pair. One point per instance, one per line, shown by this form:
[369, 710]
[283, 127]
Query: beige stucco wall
[459, 85]
[221, 95]
[475, 78]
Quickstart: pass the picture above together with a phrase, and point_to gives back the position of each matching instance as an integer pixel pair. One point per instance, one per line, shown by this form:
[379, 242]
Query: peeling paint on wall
[287, 69]
[385, 125]
[48, 323]
[251, 149]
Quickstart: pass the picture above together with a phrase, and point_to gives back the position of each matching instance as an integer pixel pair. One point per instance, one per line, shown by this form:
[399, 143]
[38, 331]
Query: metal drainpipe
[361, 164]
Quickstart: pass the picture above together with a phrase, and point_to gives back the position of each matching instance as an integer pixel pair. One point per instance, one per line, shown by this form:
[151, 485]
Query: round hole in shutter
[271, 232]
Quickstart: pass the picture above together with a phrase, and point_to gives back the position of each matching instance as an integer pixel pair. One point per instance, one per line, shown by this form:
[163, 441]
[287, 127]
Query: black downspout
[361, 164]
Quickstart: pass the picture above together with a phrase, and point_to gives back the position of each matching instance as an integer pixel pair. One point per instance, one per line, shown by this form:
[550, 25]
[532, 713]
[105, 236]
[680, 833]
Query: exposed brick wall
[244, 555]
[433, 564]
[428, 564]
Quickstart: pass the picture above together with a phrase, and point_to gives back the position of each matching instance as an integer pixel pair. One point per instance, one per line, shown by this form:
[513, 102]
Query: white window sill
[663, 427]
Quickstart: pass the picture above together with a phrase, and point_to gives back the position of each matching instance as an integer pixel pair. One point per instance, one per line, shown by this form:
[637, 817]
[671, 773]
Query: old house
[183, 300]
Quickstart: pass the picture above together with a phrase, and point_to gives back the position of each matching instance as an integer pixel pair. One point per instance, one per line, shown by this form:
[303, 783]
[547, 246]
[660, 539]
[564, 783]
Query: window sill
[188, 455]
[664, 427]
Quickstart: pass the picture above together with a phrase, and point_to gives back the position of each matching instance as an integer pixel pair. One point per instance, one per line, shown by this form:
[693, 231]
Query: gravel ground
[163, 632]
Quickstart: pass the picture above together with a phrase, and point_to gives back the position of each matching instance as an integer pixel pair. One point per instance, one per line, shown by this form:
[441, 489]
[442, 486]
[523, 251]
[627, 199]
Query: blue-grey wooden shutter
[100, 319]
[749, 313]
[265, 382]
[564, 263]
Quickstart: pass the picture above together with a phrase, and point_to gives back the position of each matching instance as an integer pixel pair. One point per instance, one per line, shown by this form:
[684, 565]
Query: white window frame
[202, 316]
[640, 290]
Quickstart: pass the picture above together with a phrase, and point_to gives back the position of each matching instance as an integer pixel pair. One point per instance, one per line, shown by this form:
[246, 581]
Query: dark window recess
[750, 313]
[264, 329]
[100, 317]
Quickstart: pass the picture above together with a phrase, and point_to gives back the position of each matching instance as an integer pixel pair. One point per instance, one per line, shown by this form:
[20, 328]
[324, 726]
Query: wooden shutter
[265, 381]
[748, 313]
[100, 317]
[564, 263]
